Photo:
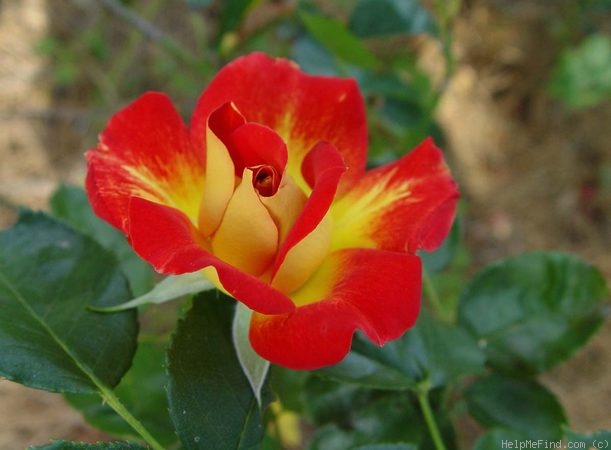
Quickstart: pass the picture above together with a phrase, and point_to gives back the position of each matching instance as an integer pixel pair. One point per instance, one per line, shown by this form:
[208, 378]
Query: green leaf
[582, 76]
[68, 445]
[211, 401]
[170, 288]
[495, 438]
[70, 204]
[342, 43]
[254, 367]
[270, 443]
[232, 13]
[49, 273]
[199, 3]
[288, 386]
[332, 437]
[442, 257]
[598, 439]
[329, 401]
[524, 406]
[533, 311]
[142, 391]
[432, 351]
[313, 58]
[388, 418]
[387, 447]
[386, 17]
[357, 416]
[389, 85]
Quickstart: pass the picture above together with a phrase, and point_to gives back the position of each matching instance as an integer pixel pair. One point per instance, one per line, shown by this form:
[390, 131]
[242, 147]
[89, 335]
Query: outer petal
[404, 206]
[167, 239]
[303, 109]
[145, 150]
[372, 290]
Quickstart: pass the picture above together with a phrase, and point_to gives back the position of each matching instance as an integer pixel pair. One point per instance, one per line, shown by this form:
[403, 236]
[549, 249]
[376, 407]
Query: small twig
[55, 113]
[125, 56]
[155, 35]
[146, 28]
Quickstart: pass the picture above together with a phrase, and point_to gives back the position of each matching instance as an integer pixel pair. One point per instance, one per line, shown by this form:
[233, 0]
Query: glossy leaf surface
[342, 43]
[211, 401]
[385, 17]
[142, 391]
[70, 204]
[48, 338]
[533, 311]
[523, 406]
[598, 439]
[432, 351]
[494, 438]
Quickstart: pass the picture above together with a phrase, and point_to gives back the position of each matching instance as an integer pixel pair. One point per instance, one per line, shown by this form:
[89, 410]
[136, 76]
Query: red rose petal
[254, 145]
[323, 168]
[145, 150]
[403, 206]
[167, 239]
[375, 291]
[303, 109]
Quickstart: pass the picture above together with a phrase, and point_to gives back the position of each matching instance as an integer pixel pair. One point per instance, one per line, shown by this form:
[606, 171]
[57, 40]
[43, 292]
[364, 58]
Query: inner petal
[285, 205]
[247, 237]
[265, 180]
[304, 258]
[254, 145]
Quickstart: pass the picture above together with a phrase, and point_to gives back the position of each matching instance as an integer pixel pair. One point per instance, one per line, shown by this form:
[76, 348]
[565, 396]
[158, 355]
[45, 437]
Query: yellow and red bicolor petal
[375, 291]
[219, 184]
[404, 206]
[166, 238]
[303, 109]
[302, 260]
[145, 150]
[323, 167]
[247, 237]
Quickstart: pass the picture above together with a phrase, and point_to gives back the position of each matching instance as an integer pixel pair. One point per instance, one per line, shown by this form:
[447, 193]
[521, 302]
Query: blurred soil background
[534, 174]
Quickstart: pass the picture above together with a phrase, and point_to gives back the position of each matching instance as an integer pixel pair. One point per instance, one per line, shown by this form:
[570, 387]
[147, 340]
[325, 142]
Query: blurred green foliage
[582, 76]
[124, 49]
[385, 17]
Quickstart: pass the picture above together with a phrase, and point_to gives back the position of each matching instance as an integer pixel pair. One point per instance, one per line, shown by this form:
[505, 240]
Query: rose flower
[266, 193]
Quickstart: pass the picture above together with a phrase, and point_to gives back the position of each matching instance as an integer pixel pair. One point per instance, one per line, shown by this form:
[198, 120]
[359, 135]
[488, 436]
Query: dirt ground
[528, 168]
